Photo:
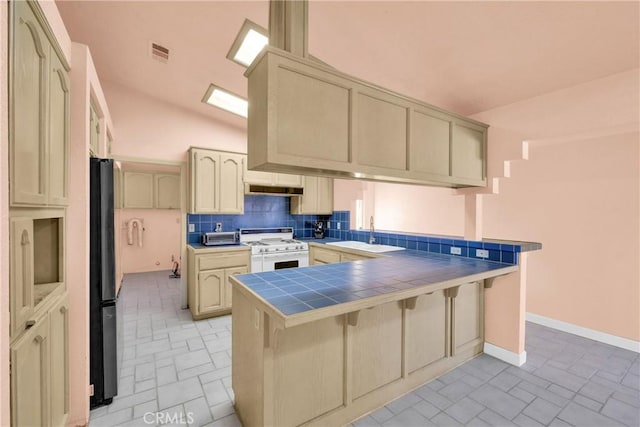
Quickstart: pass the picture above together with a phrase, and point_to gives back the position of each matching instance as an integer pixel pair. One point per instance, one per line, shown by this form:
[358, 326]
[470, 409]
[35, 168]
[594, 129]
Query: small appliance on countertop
[318, 230]
[220, 238]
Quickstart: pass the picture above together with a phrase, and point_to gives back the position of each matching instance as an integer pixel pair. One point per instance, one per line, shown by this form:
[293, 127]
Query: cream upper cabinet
[94, 131]
[39, 136]
[58, 132]
[147, 190]
[468, 152]
[317, 197]
[167, 191]
[355, 129]
[272, 179]
[138, 190]
[216, 184]
[231, 186]
[258, 177]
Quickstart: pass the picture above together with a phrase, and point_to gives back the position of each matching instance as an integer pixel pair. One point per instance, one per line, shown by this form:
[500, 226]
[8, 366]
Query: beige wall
[161, 240]
[152, 129]
[577, 195]
[84, 87]
[4, 226]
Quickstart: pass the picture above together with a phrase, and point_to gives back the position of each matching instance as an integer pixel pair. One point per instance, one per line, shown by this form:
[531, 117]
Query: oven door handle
[285, 255]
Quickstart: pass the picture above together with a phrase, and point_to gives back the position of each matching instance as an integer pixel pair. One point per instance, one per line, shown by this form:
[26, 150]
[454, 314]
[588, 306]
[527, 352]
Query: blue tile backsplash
[262, 211]
[274, 211]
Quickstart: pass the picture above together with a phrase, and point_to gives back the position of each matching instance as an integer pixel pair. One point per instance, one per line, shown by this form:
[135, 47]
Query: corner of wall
[4, 224]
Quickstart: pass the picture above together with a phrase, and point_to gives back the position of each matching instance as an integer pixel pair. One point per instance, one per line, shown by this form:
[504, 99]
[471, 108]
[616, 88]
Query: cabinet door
[231, 185]
[30, 377]
[138, 190]
[21, 272]
[426, 345]
[210, 290]
[308, 202]
[287, 180]
[94, 131]
[29, 92]
[467, 152]
[468, 317]
[325, 196]
[431, 135]
[205, 170]
[167, 189]
[59, 350]
[228, 273]
[58, 132]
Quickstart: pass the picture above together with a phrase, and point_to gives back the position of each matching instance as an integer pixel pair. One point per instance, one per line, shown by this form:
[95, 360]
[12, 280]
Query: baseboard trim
[581, 331]
[505, 355]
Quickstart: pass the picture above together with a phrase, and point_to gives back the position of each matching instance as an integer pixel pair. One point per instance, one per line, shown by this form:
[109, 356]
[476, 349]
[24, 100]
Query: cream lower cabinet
[467, 312]
[352, 363]
[216, 184]
[209, 288]
[317, 198]
[321, 254]
[40, 370]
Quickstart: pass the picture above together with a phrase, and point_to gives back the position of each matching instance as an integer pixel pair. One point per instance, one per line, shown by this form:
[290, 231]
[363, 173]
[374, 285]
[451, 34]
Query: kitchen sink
[361, 246]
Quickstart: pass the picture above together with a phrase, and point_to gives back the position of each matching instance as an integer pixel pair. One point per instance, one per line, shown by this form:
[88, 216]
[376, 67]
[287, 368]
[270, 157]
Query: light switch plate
[192, 228]
[482, 253]
[456, 251]
[338, 225]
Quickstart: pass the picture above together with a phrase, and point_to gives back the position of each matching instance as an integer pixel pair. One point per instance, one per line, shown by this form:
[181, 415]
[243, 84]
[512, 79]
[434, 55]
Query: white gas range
[274, 248]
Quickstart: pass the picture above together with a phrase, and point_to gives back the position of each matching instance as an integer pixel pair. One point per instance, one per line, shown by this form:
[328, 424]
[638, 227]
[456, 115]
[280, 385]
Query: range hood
[273, 190]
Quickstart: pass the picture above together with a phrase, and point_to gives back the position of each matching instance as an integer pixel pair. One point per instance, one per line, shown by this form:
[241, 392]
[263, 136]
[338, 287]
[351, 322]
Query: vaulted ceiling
[463, 56]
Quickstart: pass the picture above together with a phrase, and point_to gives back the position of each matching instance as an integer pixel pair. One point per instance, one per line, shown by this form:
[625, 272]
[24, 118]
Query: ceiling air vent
[159, 52]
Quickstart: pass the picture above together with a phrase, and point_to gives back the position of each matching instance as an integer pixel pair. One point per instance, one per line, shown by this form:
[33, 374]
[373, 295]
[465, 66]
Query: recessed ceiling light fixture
[218, 97]
[249, 42]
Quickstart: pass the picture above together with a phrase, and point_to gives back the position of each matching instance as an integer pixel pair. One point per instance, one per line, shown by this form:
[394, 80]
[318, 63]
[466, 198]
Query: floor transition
[178, 372]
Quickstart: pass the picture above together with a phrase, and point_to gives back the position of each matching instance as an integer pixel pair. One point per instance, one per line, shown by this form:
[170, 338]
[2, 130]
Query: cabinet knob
[29, 323]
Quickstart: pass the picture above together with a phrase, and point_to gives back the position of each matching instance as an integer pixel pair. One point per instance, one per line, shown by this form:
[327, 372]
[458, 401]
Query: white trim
[505, 355]
[581, 331]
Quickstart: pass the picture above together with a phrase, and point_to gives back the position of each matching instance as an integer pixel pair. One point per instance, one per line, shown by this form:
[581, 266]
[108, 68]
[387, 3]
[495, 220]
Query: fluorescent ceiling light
[249, 42]
[218, 97]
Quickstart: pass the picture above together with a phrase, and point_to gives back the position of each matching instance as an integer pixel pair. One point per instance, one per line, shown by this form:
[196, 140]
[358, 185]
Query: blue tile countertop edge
[300, 290]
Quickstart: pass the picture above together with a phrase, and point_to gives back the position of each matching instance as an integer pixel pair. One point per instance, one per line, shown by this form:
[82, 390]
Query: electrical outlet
[328, 225]
[192, 228]
[482, 253]
[456, 251]
[338, 225]
[218, 226]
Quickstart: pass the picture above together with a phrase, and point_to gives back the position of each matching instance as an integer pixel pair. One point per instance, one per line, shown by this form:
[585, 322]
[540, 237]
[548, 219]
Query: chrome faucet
[372, 239]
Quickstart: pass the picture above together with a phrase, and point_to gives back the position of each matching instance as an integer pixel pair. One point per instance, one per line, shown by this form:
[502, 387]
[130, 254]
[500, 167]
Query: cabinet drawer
[214, 261]
[325, 256]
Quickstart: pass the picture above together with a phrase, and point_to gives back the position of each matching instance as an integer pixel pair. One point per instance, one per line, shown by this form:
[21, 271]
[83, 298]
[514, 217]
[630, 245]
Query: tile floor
[173, 365]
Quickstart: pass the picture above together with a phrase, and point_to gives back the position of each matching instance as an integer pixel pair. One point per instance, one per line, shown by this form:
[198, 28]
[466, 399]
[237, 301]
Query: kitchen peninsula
[326, 344]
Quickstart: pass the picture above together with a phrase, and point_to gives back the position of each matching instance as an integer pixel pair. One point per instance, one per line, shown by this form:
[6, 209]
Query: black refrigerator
[102, 285]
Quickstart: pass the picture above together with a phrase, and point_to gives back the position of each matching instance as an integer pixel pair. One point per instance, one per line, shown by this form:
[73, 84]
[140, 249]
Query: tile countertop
[300, 295]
